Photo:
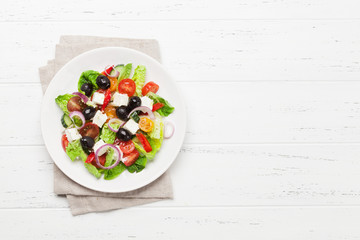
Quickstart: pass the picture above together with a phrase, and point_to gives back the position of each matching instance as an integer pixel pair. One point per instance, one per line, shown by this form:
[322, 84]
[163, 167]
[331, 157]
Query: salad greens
[90, 77]
[167, 109]
[98, 125]
[62, 101]
[139, 78]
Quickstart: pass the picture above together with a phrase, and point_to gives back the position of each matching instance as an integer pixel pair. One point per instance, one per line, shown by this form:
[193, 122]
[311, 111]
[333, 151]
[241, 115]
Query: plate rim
[181, 102]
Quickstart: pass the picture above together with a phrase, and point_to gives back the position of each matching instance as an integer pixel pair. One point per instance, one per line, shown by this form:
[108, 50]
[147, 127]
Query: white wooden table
[273, 95]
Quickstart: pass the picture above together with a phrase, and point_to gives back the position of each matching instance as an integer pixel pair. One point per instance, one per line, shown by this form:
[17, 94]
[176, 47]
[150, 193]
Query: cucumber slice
[119, 68]
[66, 121]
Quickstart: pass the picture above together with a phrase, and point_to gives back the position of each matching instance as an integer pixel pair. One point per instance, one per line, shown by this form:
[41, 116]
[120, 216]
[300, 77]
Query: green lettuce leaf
[62, 101]
[139, 78]
[158, 127]
[154, 143]
[114, 172]
[138, 166]
[126, 71]
[107, 135]
[93, 170]
[74, 150]
[167, 109]
[88, 76]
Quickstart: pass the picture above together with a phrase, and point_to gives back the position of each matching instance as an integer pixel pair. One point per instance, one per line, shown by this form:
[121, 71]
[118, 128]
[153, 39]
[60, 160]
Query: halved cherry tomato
[91, 159]
[144, 142]
[157, 106]
[64, 142]
[76, 104]
[106, 99]
[110, 111]
[90, 130]
[146, 124]
[127, 147]
[113, 83]
[130, 159]
[149, 87]
[127, 86]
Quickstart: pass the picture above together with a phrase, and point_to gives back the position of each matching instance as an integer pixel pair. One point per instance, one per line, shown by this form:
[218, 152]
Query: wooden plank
[167, 10]
[205, 50]
[213, 175]
[185, 223]
[262, 112]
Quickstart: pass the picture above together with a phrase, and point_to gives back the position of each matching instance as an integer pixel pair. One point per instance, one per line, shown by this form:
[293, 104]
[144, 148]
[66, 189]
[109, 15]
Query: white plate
[65, 81]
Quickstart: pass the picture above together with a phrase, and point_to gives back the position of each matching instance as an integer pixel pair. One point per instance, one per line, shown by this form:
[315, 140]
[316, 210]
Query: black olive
[87, 88]
[89, 112]
[87, 143]
[103, 82]
[134, 102]
[122, 113]
[123, 134]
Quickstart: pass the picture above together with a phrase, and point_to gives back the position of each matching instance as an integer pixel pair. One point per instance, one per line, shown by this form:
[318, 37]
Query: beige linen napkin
[83, 200]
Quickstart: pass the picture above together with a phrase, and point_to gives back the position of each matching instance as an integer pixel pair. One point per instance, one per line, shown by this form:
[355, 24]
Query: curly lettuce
[107, 135]
[62, 101]
[88, 76]
[167, 109]
[139, 78]
[125, 72]
[74, 150]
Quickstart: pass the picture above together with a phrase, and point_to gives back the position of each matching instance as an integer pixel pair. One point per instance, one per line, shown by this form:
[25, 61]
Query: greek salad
[113, 122]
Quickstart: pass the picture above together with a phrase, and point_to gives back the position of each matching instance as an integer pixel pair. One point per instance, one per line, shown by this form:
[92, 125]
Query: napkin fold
[81, 199]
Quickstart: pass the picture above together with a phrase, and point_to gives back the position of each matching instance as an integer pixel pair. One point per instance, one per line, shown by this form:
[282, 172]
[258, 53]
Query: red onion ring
[144, 110]
[114, 120]
[168, 123]
[119, 154]
[80, 115]
[82, 96]
[117, 73]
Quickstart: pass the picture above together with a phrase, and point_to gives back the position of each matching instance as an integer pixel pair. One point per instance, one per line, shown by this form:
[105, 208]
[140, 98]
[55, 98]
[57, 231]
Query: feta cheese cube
[72, 134]
[99, 118]
[120, 99]
[98, 145]
[131, 126]
[98, 98]
[147, 102]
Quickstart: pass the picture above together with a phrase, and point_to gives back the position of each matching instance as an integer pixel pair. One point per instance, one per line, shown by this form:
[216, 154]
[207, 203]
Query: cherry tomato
[127, 86]
[146, 124]
[157, 106]
[92, 160]
[110, 111]
[90, 130]
[127, 147]
[144, 142]
[149, 87]
[64, 142]
[76, 104]
[130, 159]
[113, 83]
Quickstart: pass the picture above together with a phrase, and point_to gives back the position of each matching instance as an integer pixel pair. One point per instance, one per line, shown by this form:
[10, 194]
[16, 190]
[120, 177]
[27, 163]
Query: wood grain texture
[186, 223]
[212, 175]
[272, 94]
[109, 10]
[220, 51]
